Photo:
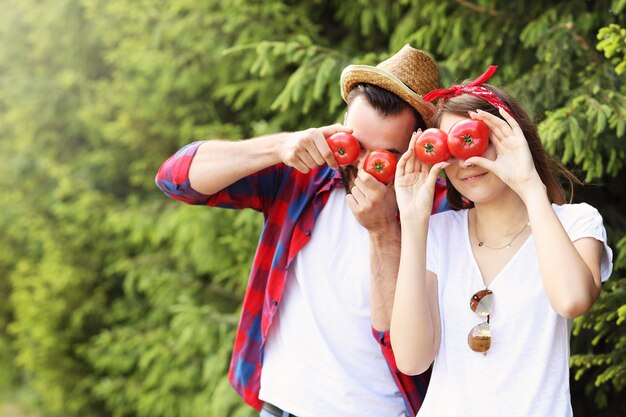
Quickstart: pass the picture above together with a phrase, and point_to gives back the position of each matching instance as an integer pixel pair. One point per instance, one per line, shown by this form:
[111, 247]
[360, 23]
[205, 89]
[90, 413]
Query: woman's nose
[461, 163]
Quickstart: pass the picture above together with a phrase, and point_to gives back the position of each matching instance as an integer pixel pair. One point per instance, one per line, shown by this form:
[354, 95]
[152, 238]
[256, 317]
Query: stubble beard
[348, 175]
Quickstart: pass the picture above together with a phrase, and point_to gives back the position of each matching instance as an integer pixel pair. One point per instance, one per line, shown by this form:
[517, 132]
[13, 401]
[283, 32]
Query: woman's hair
[550, 169]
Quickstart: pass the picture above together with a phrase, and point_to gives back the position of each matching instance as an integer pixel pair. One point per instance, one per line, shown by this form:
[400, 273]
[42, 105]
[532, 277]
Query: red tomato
[432, 146]
[345, 147]
[467, 138]
[381, 165]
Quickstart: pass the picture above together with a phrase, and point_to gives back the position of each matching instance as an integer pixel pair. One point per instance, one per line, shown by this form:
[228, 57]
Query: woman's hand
[415, 182]
[514, 163]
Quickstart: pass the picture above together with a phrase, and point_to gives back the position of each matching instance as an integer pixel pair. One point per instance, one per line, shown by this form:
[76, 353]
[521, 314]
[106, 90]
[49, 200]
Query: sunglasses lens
[479, 338]
[482, 302]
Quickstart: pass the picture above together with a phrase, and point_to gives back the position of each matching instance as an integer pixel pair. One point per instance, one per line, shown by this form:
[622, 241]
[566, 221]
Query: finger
[511, 121]
[300, 166]
[358, 195]
[332, 129]
[307, 159]
[488, 164]
[414, 164]
[414, 137]
[371, 189]
[368, 178]
[421, 166]
[320, 151]
[410, 164]
[352, 204]
[492, 119]
[495, 132]
[315, 154]
[500, 128]
[401, 169]
[365, 182]
[440, 166]
[497, 144]
[361, 187]
[435, 170]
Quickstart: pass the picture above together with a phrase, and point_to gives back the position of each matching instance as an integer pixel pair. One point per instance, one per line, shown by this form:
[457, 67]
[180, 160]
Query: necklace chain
[507, 246]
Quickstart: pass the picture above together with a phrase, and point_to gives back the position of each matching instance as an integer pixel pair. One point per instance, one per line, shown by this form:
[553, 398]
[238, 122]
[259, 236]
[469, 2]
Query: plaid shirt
[290, 202]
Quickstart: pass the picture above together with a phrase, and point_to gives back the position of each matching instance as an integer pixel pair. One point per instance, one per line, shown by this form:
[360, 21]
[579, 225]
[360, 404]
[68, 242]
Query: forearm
[567, 279]
[218, 164]
[414, 328]
[385, 257]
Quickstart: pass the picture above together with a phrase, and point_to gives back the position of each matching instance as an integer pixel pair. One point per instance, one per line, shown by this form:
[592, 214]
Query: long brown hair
[550, 170]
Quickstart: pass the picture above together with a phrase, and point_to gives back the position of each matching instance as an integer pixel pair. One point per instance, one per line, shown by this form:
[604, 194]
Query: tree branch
[477, 8]
[582, 42]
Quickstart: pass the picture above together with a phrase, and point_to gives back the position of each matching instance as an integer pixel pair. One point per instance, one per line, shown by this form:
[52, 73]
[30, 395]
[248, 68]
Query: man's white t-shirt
[525, 373]
[320, 357]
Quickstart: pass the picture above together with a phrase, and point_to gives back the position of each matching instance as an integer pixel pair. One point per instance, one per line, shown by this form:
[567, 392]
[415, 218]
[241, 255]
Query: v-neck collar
[468, 245]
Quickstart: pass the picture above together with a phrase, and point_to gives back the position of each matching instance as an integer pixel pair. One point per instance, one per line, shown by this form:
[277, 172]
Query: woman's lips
[473, 178]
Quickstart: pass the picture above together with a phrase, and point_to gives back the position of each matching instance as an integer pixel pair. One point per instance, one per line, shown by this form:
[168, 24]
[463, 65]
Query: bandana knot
[474, 88]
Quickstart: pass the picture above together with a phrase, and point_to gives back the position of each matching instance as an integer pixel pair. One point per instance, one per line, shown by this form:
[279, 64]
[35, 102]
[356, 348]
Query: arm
[384, 233]
[415, 321]
[412, 387]
[218, 164]
[384, 260]
[570, 270]
[211, 166]
[374, 206]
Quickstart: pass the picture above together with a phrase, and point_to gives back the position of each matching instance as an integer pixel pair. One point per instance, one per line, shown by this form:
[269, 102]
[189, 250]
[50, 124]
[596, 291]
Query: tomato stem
[467, 140]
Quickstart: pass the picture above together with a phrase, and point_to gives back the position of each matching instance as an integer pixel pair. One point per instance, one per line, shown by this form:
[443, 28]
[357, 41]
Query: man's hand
[307, 149]
[372, 203]
[374, 206]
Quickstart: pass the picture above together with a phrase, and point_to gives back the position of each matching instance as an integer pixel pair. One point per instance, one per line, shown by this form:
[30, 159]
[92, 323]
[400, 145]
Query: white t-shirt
[525, 373]
[320, 357]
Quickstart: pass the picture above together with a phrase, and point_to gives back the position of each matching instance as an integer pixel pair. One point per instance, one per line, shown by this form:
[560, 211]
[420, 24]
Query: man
[324, 273]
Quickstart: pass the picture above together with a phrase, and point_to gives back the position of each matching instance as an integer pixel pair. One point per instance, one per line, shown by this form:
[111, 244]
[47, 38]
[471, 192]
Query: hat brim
[357, 74]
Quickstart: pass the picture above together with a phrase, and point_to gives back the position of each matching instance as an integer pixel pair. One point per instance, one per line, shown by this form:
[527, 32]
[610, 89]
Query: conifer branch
[477, 8]
[582, 42]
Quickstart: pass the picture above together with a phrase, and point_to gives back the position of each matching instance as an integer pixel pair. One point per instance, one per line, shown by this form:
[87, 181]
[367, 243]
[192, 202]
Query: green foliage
[117, 302]
[612, 43]
[605, 326]
[567, 130]
[308, 85]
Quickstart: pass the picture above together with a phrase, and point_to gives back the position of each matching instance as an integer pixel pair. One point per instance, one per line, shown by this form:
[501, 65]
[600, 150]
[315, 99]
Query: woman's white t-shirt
[526, 370]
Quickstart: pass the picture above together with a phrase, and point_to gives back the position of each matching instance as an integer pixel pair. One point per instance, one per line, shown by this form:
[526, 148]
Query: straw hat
[409, 74]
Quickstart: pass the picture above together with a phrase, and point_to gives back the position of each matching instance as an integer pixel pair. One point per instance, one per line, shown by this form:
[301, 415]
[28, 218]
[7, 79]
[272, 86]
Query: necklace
[507, 246]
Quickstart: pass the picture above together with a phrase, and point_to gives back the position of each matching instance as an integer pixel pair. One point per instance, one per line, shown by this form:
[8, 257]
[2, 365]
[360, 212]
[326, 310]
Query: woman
[488, 291]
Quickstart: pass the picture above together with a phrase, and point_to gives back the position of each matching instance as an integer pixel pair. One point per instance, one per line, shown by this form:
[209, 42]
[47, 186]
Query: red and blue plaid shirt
[290, 202]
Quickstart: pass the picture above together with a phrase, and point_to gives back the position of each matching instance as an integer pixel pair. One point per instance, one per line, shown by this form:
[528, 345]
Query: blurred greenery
[115, 301]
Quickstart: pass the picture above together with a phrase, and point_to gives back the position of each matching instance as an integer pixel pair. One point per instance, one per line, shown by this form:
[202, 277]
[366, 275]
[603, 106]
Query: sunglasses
[479, 338]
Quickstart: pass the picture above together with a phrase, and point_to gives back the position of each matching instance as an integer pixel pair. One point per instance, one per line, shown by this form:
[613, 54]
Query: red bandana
[474, 88]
